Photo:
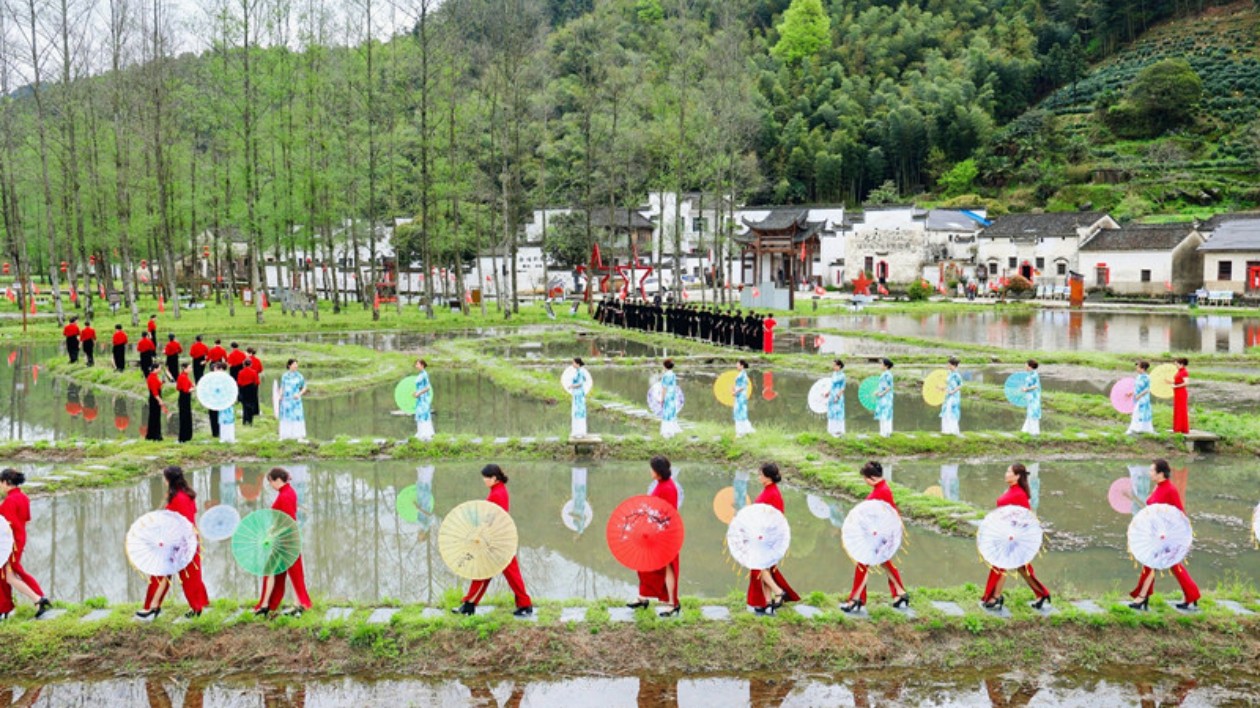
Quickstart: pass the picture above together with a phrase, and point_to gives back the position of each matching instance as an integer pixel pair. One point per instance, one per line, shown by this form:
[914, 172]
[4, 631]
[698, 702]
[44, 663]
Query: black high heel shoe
[262, 612]
[995, 605]
[1187, 606]
[467, 608]
[1143, 605]
[44, 605]
[767, 610]
[852, 606]
[640, 605]
[778, 600]
[148, 614]
[903, 600]
[672, 612]
[192, 614]
[1041, 603]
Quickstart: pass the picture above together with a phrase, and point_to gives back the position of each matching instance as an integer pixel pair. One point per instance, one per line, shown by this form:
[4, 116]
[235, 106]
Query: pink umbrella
[1120, 495]
[1122, 394]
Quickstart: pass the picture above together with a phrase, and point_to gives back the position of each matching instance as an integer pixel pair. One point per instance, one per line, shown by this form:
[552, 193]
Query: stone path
[337, 613]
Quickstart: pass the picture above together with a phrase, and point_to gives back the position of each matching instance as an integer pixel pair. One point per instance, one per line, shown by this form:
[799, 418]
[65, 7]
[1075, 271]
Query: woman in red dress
[273, 585]
[1181, 398]
[15, 509]
[496, 481]
[181, 499]
[873, 475]
[661, 584]
[1165, 493]
[769, 583]
[1018, 493]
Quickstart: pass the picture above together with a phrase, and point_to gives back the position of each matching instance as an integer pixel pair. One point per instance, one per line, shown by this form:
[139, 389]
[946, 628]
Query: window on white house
[1011, 262]
[1041, 263]
[698, 224]
[1146, 276]
[1225, 270]
[1060, 268]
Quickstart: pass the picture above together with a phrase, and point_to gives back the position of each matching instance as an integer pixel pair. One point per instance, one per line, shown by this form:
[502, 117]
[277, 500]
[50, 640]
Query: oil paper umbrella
[1160, 536]
[477, 540]
[566, 380]
[6, 541]
[758, 537]
[1122, 395]
[817, 506]
[725, 504]
[872, 532]
[1015, 384]
[577, 515]
[267, 542]
[820, 396]
[656, 398]
[934, 387]
[217, 391]
[405, 395]
[1120, 495]
[1009, 537]
[411, 506]
[645, 533]
[219, 523]
[1255, 525]
[161, 543]
[866, 392]
[1161, 380]
[724, 388]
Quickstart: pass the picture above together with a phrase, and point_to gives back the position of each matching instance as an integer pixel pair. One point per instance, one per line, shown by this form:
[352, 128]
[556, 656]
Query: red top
[183, 384]
[173, 348]
[146, 345]
[1166, 493]
[198, 350]
[769, 323]
[71, 330]
[668, 491]
[185, 506]
[216, 353]
[770, 495]
[1014, 496]
[236, 357]
[87, 334]
[247, 377]
[882, 493]
[120, 337]
[255, 363]
[155, 384]
[152, 325]
[499, 496]
[16, 509]
[286, 501]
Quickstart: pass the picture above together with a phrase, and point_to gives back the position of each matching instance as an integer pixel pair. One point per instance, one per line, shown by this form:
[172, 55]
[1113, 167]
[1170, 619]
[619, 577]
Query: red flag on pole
[74, 295]
[32, 306]
[376, 301]
[802, 251]
[265, 303]
[161, 303]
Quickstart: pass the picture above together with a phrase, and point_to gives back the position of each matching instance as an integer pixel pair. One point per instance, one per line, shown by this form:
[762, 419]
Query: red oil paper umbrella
[645, 533]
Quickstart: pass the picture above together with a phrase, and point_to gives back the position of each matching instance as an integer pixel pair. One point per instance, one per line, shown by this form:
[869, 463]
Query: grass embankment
[223, 641]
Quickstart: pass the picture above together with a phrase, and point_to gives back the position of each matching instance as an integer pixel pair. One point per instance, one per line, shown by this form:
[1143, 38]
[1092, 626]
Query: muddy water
[357, 548]
[882, 688]
[1053, 330]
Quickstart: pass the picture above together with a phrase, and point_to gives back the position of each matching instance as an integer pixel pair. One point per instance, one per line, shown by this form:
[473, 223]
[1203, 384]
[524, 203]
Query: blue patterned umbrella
[219, 523]
[1015, 384]
[217, 391]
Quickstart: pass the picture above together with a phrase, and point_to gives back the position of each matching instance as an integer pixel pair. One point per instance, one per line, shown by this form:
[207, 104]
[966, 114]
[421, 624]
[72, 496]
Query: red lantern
[63, 266]
[205, 252]
[6, 268]
[92, 260]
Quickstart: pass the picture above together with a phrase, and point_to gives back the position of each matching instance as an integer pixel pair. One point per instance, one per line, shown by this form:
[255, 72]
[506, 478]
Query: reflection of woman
[273, 585]
[951, 408]
[769, 583]
[1140, 421]
[292, 415]
[669, 402]
[181, 499]
[873, 475]
[577, 388]
[1181, 398]
[835, 400]
[1165, 493]
[1032, 398]
[661, 584]
[1017, 494]
[884, 400]
[15, 509]
[424, 402]
[740, 391]
[497, 481]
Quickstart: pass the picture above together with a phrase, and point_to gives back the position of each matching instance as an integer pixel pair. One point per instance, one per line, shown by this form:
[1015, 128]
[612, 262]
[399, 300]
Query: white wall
[892, 236]
[1238, 278]
[1126, 270]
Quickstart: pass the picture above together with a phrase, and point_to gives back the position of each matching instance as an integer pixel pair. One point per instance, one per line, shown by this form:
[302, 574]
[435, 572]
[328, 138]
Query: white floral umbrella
[566, 380]
[817, 506]
[758, 536]
[820, 396]
[1160, 536]
[1009, 537]
[217, 391]
[656, 398]
[872, 532]
[161, 543]
[6, 541]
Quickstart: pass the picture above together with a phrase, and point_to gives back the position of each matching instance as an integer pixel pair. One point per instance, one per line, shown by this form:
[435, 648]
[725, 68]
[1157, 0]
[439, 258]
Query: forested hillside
[280, 127]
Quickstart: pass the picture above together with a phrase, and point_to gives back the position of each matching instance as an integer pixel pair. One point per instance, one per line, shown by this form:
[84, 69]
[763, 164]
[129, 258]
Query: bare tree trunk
[41, 124]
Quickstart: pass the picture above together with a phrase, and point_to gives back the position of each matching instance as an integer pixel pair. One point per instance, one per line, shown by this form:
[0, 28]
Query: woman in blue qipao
[1032, 393]
[1141, 420]
[577, 388]
[835, 400]
[741, 389]
[951, 408]
[669, 401]
[884, 400]
[292, 416]
[424, 402]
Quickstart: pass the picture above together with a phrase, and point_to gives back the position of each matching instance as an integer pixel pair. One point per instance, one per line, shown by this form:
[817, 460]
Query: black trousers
[214, 424]
[89, 350]
[155, 419]
[120, 357]
[172, 365]
[185, 417]
[72, 348]
[249, 403]
[199, 369]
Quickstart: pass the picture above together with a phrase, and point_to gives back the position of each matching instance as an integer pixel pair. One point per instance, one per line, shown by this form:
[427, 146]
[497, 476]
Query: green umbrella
[410, 506]
[866, 392]
[267, 542]
[405, 395]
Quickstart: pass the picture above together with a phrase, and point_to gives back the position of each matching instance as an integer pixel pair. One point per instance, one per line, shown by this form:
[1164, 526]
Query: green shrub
[920, 290]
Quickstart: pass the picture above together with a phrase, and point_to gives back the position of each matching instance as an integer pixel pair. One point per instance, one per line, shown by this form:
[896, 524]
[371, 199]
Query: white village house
[1037, 246]
[1144, 259]
[1231, 254]
[888, 242]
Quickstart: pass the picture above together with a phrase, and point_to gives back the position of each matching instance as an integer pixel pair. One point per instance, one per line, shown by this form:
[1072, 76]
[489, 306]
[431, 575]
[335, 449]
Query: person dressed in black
[184, 385]
[214, 415]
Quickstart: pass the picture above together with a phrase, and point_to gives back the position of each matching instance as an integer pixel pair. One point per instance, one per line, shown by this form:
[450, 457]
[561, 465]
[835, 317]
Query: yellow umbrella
[477, 540]
[724, 387]
[1161, 380]
[724, 504]
[934, 387]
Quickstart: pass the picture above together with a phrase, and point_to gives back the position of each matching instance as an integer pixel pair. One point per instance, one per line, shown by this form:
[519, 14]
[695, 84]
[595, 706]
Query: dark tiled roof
[600, 218]
[1029, 227]
[780, 219]
[950, 220]
[1215, 222]
[808, 229]
[1139, 237]
[1235, 235]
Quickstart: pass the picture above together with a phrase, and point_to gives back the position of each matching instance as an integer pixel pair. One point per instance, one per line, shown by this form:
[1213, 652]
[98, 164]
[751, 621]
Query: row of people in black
[706, 323]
